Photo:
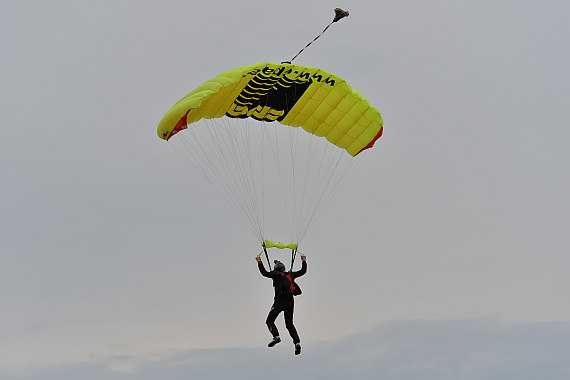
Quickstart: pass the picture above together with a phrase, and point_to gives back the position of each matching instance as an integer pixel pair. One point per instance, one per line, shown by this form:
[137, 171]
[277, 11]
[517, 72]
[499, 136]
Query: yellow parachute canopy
[321, 103]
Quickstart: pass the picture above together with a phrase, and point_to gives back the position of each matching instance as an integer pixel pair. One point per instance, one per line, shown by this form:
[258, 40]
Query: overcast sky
[445, 255]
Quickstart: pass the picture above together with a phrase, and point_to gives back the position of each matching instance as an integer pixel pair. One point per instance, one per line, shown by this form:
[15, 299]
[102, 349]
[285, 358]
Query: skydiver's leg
[270, 321]
[288, 312]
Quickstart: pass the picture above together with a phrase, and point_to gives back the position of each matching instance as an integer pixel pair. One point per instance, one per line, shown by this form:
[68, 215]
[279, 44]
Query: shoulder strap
[292, 287]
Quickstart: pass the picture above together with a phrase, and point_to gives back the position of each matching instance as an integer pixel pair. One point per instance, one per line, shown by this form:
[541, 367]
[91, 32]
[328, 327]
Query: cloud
[437, 349]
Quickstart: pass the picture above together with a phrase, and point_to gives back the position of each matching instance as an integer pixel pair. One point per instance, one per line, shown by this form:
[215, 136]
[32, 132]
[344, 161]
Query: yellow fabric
[270, 244]
[316, 100]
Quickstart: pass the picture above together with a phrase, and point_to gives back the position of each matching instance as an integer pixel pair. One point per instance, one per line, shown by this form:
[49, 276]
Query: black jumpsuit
[282, 301]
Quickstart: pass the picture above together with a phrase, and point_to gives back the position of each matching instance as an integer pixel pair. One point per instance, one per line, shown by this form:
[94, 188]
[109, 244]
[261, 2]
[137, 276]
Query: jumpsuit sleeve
[301, 272]
[262, 270]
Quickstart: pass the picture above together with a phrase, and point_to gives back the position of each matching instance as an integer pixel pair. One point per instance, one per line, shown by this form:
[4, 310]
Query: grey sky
[408, 350]
[111, 245]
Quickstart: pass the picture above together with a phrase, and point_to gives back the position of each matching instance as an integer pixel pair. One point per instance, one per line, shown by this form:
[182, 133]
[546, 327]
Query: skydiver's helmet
[279, 266]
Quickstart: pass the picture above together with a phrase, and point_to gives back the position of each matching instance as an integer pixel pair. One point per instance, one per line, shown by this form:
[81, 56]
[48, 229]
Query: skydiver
[283, 300]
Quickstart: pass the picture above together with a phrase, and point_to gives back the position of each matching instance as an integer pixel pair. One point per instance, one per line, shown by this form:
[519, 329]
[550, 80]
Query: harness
[288, 276]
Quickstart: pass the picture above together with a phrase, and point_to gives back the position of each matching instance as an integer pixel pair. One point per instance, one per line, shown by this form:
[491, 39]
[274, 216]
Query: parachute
[258, 130]
[321, 103]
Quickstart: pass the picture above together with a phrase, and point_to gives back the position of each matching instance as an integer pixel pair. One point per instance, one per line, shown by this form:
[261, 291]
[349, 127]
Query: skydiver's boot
[297, 348]
[275, 340]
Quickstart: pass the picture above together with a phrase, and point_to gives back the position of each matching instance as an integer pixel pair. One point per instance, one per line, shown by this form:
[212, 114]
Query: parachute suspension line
[322, 169]
[262, 183]
[293, 254]
[307, 192]
[266, 256]
[193, 159]
[306, 179]
[252, 184]
[226, 152]
[292, 145]
[227, 180]
[299, 166]
[318, 200]
[276, 156]
[339, 14]
[236, 175]
[328, 186]
[324, 172]
[293, 212]
[354, 162]
[342, 178]
[215, 166]
[254, 180]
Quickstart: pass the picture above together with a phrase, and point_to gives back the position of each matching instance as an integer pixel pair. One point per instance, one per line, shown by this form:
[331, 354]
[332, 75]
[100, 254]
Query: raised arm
[262, 270]
[303, 270]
